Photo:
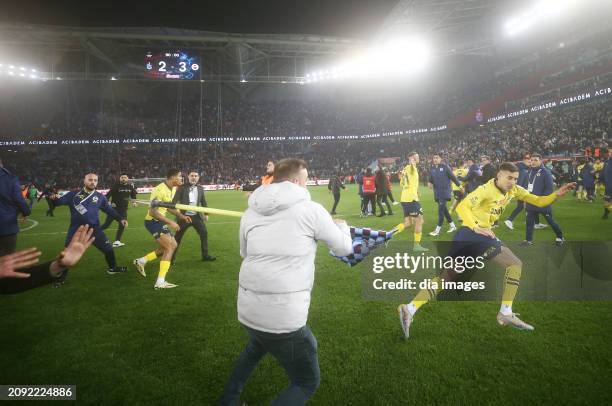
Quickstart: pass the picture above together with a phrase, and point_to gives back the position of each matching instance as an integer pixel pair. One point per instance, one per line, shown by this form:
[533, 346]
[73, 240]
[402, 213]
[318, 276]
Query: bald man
[85, 206]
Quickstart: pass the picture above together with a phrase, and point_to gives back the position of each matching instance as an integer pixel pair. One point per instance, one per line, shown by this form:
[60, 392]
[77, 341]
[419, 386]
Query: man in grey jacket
[278, 242]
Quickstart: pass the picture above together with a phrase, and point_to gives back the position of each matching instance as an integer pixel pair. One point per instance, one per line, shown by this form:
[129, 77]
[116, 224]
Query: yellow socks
[512, 280]
[164, 267]
[151, 256]
[425, 295]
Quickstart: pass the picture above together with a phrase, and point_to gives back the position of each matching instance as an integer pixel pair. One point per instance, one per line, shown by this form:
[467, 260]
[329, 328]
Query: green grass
[121, 342]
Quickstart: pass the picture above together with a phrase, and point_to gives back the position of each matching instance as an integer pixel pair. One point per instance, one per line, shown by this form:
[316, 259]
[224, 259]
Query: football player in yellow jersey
[459, 191]
[581, 193]
[600, 187]
[157, 224]
[479, 210]
[413, 213]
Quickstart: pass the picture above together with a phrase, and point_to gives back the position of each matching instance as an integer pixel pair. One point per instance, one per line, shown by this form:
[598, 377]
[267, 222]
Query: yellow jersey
[409, 182]
[162, 193]
[598, 167]
[579, 171]
[459, 173]
[483, 206]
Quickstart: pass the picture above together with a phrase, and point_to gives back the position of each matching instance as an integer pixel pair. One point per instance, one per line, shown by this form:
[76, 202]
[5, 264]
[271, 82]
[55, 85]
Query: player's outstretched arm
[566, 188]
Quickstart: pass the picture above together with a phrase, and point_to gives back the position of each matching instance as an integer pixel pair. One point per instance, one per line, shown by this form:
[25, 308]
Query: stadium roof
[458, 27]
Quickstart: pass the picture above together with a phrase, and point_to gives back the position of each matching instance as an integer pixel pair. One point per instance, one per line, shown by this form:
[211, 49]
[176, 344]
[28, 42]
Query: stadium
[343, 165]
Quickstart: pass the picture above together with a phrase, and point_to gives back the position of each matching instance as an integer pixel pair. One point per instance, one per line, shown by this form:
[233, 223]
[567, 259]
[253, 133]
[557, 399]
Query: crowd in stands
[564, 132]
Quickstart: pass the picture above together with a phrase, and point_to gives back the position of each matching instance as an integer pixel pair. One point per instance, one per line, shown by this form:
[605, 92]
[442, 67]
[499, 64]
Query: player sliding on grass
[157, 224]
[479, 210]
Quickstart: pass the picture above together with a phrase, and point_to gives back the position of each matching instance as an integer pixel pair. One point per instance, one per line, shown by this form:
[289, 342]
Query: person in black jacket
[193, 195]
[31, 276]
[489, 171]
[120, 195]
[12, 204]
[48, 192]
[334, 186]
[382, 192]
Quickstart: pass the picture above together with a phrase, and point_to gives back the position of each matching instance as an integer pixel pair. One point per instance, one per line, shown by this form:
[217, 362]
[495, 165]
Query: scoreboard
[173, 65]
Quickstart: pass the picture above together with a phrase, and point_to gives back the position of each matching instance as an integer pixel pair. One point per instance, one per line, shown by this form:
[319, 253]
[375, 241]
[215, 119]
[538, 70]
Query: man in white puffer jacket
[278, 243]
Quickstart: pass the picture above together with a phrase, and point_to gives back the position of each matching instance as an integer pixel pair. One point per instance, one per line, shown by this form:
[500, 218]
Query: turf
[121, 342]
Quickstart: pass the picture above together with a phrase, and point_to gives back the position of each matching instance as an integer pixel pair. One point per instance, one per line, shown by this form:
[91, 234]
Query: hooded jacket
[278, 242]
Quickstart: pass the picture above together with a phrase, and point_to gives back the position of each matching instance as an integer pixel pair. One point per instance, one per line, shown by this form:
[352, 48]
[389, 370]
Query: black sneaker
[208, 258]
[116, 270]
[60, 280]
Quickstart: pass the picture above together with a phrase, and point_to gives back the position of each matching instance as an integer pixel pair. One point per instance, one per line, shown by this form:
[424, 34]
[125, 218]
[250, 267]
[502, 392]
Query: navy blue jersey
[85, 207]
[606, 176]
[441, 176]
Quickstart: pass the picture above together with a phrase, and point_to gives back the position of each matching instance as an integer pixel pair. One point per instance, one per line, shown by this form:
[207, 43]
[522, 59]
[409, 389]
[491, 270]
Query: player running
[157, 224]
[479, 210]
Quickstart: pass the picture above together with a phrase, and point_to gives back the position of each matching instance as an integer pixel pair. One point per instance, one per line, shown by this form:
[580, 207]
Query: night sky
[349, 18]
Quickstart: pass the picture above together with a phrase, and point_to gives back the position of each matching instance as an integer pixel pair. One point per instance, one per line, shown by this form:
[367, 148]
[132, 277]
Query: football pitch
[121, 342]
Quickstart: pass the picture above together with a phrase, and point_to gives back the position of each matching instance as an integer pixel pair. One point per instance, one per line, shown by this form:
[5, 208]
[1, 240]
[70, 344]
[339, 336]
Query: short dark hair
[412, 153]
[508, 166]
[485, 157]
[536, 156]
[171, 173]
[192, 171]
[286, 168]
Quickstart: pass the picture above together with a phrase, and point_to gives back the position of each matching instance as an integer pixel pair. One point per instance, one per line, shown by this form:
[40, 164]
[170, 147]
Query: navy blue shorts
[156, 228]
[468, 243]
[458, 195]
[101, 242]
[412, 209]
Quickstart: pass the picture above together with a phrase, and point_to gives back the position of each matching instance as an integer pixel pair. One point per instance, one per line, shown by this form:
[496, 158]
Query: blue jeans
[532, 218]
[443, 212]
[297, 354]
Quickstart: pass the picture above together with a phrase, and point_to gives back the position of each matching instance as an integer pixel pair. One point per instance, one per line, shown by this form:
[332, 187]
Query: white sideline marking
[34, 224]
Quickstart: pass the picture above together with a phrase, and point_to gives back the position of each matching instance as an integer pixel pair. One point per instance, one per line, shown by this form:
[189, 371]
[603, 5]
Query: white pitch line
[34, 224]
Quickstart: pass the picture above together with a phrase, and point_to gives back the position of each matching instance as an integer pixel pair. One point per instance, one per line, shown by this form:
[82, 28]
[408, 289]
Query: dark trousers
[390, 195]
[532, 216]
[368, 198]
[51, 205]
[297, 354]
[123, 213]
[8, 244]
[590, 191]
[200, 227]
[443, 212]
[336, 201]
[380, 199]
[101, 242]
[520, 205]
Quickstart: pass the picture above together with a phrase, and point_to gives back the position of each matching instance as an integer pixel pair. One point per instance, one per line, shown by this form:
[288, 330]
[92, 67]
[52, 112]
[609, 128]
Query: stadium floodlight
[22, 68]
[11, 73]
[22, 74]
[542, 11]
[113, 78]
[12, 67]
